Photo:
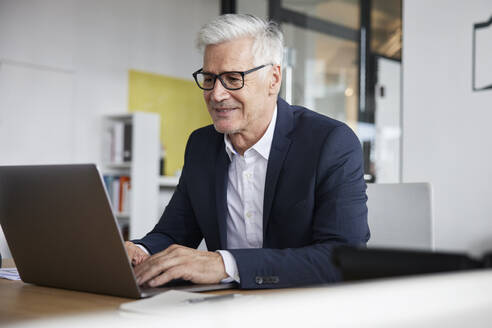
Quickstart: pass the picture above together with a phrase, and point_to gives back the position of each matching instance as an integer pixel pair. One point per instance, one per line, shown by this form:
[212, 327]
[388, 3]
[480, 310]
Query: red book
[124, 186]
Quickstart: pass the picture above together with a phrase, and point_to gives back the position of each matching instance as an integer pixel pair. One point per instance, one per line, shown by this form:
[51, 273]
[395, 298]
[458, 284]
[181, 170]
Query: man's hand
[179, 262]
[135, 253]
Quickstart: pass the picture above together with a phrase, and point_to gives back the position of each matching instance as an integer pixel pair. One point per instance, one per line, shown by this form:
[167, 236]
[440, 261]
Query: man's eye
[233, 79]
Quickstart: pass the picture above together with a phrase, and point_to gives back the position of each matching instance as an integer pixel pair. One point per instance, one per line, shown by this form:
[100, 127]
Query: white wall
[64, 64]
[446, 126]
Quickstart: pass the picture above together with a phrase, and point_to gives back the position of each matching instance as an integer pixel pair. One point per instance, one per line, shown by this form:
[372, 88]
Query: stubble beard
[226, 131]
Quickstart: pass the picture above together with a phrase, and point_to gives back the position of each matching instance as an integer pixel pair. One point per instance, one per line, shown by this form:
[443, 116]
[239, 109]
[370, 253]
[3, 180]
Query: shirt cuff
[230, 267]
[143, 248]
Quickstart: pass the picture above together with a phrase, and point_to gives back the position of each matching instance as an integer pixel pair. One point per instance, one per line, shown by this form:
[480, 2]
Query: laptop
[62, 232]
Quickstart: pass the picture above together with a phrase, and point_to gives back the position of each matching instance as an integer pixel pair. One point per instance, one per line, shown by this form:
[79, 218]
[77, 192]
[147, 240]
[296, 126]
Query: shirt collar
[263, 145]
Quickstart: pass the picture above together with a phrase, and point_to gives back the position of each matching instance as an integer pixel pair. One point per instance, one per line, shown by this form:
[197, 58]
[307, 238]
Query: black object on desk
[371, 263]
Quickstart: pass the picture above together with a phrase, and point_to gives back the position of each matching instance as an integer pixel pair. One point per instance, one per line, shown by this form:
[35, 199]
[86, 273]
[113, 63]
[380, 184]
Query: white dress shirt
[245, 193]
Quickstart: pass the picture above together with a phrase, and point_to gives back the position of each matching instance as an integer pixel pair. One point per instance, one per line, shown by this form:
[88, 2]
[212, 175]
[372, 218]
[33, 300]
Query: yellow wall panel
[180, 104]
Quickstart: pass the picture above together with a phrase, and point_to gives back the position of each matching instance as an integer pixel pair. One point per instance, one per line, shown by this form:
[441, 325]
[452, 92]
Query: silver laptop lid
[61, 230]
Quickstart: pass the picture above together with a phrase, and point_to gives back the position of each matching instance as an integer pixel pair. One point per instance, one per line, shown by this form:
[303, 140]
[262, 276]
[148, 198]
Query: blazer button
[259, 280]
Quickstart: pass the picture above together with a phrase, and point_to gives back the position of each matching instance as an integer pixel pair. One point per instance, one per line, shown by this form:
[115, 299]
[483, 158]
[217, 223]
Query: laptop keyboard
[177, 283]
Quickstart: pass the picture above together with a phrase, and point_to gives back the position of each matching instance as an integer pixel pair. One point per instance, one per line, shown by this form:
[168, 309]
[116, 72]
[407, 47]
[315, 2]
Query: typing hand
[179, 262]
[135, 253]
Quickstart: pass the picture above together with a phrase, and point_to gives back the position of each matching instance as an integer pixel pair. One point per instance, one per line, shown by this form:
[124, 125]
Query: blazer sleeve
[177, 224]
[339, 217]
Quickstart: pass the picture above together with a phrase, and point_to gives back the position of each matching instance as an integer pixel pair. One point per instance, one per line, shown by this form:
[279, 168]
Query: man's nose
[219, 93]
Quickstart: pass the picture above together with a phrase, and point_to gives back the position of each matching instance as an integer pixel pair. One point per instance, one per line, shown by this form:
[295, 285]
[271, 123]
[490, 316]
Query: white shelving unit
[168, 181]
[143, 170]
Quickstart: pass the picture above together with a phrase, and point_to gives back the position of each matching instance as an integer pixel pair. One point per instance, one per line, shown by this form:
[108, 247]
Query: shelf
[168, 181]
[122, 165]
[120, 117]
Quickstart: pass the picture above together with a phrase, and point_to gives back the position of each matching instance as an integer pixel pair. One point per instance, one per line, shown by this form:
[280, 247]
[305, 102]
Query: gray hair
[268, 39]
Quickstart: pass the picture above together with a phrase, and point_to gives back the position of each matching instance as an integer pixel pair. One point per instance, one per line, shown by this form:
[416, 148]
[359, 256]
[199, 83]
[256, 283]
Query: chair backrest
[400, 215]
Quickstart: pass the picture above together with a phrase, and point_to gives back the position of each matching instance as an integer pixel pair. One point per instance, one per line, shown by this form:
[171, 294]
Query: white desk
[440, 300]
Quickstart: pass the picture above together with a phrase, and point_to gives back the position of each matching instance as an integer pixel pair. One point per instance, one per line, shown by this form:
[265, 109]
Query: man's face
[242, 110]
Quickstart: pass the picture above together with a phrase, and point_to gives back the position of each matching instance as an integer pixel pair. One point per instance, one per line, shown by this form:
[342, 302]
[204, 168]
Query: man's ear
[275, 80]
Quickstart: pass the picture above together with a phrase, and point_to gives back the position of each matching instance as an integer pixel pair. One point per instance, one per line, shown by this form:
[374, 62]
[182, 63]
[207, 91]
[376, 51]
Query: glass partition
[325, 65]
[320, 73]
[342, 12]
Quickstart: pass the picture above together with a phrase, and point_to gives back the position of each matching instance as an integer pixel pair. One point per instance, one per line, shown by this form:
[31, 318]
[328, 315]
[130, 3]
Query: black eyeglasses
[230, 80]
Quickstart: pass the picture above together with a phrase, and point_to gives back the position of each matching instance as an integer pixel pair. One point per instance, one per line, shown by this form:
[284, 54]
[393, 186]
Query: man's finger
[139, 258]
[134, 252]
[155, 266]
[154, 260]
[165, 277]
[142, 258]
[175, 250]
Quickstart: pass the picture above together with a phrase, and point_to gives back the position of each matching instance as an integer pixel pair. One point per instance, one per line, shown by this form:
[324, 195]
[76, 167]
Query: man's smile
[223, 111]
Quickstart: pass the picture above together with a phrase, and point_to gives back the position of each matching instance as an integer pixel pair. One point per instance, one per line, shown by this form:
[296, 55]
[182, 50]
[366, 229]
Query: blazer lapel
[221, 178]
[280, 146]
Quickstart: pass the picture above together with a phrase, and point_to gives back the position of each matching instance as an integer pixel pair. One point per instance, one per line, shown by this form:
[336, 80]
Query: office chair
[400, 215]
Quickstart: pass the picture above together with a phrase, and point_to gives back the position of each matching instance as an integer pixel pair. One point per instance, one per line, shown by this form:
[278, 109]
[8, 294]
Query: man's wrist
[230, 266]
[142, 247]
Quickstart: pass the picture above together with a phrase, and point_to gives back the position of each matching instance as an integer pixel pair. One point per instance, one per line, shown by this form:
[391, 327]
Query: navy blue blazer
[314, 199]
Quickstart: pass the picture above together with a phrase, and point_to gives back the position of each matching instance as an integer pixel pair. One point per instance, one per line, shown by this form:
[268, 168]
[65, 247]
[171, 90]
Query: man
[271, 187]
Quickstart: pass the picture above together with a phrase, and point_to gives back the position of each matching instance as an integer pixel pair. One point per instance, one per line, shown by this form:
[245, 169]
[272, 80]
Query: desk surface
[459, 299]
[20, 301]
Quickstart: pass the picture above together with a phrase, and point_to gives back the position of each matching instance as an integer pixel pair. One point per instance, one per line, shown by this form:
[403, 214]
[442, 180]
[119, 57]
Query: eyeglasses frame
[215, 76]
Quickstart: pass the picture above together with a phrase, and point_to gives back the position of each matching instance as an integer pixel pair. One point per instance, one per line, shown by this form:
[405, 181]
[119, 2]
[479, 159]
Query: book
[115, 200]
[124, 189]
[119, 192]
[127, 142]
[117, 142]
[108, 182]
